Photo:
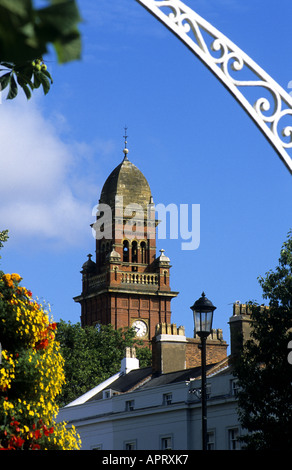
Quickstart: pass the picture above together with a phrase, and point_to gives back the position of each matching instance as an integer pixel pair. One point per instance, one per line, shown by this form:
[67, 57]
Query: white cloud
[46, 184]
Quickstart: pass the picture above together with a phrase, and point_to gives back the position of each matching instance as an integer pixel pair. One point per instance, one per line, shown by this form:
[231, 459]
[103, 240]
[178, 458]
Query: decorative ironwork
[271, 110]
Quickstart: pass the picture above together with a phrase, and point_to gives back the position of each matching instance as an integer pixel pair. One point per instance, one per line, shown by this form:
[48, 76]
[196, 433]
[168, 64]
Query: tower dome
[128, 181]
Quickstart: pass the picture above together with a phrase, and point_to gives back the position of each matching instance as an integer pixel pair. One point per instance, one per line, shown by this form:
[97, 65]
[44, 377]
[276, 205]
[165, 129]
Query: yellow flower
[7, 279]
[16, 277]
[43, 366]
[7, 406]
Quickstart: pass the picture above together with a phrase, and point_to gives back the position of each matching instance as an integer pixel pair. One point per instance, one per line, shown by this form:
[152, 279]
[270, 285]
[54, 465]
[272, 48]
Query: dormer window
[108, 393]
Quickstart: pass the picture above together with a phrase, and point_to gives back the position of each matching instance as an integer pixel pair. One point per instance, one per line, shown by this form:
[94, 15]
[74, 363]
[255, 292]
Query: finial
[162, 258]
[126, 151]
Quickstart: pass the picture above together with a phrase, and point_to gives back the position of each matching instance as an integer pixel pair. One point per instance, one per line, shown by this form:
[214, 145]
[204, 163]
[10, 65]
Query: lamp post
[203, 317]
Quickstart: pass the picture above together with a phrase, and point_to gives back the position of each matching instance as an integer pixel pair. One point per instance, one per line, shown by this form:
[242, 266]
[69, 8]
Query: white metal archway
[236, 70]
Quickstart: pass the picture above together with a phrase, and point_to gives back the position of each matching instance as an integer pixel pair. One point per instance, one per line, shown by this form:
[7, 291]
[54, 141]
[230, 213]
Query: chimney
[129, 362]
[168, 348]
[240, 327]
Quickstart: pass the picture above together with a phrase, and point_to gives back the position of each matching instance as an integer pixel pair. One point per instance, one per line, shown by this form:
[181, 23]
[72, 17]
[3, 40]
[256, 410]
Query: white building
[147, 410]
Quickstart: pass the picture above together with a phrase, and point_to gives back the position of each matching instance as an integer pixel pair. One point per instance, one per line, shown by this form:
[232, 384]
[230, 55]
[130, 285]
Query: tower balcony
[95, 282]
[126, 279]
[147, 279]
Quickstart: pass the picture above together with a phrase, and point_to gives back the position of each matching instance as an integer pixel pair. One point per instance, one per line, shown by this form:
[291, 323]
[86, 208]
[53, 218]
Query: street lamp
[203, 317]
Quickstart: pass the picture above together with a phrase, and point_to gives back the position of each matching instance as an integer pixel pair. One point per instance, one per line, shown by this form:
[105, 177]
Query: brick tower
[126, 285]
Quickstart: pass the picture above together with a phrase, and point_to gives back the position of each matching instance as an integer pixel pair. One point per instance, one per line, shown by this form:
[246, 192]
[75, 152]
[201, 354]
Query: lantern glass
[203, 322]
[203, 316]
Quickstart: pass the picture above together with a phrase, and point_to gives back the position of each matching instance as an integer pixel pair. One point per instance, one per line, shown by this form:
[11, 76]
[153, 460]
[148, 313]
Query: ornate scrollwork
[270, 109]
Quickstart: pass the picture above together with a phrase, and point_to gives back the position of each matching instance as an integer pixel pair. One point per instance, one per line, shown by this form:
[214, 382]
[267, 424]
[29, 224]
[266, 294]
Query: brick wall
[216, 350]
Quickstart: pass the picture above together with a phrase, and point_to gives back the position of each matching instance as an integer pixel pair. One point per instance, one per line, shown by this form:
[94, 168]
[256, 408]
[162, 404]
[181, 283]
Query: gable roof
[143, 379]
[126, 382]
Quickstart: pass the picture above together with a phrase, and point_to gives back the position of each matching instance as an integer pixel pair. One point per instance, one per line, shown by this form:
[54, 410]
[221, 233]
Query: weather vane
[125, 137]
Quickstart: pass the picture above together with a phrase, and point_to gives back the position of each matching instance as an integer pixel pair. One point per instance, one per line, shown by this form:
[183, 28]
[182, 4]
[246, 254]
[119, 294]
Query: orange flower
[16, 277]
[7, 279]
[43, 344]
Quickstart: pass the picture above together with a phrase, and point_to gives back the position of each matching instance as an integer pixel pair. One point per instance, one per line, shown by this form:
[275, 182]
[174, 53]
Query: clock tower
[126, 284]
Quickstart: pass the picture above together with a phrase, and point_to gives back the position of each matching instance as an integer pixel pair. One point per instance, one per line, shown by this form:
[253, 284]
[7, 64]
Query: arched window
[165, 277]
[134, 252]
[143, 252]
[126, 251]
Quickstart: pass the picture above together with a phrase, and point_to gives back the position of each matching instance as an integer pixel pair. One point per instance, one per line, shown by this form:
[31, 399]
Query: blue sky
[189, 137]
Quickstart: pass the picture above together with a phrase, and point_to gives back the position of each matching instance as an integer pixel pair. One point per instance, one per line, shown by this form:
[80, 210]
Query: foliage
[263, 370]
[93, 354]
[26, 33]
[145, 357]
[31, 373]
[3, 238]
[29, 76]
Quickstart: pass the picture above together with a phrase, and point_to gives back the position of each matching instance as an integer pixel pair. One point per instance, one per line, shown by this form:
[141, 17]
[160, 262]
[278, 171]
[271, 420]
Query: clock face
[140, 327]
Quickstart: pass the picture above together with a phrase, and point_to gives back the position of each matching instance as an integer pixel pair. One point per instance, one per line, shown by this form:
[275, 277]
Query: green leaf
[62, 17]
[36, 79]
[18, 7]
[13, 90]
[24, 71]
[24, 85]
[68, 48]
[48, 75]
[4, 80]
[45, 82]
[26, 91]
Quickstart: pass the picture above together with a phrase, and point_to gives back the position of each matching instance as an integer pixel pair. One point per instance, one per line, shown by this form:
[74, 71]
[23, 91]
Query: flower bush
[31, 374]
